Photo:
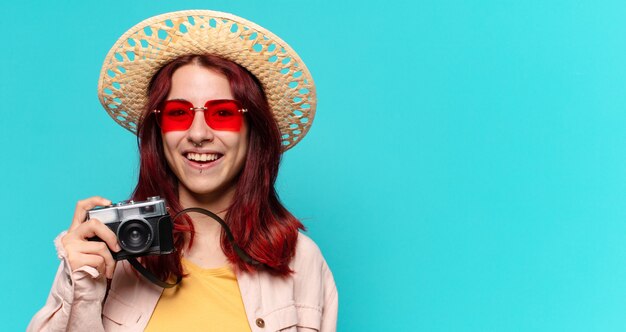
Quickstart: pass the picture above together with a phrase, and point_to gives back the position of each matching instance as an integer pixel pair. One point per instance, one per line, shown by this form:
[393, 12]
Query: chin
[204, 189]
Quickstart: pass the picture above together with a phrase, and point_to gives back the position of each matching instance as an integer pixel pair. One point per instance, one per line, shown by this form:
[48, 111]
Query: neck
[206, 249]
[217, 203]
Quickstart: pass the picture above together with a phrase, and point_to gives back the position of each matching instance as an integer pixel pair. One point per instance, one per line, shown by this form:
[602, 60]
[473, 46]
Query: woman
[224, 98]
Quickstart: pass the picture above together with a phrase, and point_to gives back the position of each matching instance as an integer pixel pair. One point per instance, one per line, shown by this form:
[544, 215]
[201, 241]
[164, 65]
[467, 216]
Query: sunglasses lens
[178, 115]
[224, 115]
[175, 115]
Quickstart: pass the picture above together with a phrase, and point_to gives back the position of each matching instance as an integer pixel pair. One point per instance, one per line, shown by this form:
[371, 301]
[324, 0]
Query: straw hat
[149, 45]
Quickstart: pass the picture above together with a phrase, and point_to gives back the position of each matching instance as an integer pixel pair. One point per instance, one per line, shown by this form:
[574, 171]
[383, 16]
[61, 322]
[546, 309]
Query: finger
[101, 249]
[91, 247]
[95, 261]
[94, 227]
[80, 213]
[109, 268]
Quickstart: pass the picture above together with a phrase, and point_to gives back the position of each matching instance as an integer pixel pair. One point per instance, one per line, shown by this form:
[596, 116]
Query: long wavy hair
[260, 224]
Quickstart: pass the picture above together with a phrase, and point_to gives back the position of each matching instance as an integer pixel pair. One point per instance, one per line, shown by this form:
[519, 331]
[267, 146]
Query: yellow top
[206, 300]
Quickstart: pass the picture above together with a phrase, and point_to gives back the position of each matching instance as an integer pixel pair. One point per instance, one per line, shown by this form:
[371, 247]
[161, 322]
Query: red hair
[260, 224]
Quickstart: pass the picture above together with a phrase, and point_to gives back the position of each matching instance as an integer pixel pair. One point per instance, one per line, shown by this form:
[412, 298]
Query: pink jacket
[305, 301]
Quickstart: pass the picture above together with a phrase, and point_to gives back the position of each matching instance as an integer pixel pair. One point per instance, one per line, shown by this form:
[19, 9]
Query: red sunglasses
[219, 114]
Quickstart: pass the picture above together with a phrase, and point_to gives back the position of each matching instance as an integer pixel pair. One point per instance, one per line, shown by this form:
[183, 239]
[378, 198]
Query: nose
[200, 131]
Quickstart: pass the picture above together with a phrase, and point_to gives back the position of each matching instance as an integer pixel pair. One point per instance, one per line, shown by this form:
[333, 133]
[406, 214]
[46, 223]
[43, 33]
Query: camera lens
[135, 235]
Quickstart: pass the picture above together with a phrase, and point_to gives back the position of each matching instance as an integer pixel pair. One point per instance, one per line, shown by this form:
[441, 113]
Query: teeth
[202, 156]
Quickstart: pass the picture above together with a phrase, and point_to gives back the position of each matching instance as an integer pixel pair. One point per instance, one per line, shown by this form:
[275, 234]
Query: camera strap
[151, 277]
[229, 236]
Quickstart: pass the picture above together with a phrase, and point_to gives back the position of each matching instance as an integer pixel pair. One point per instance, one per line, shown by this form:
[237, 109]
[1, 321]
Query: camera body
[142, 228]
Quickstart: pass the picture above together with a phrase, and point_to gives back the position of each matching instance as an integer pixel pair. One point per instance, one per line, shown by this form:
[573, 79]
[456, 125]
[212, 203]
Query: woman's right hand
[79, 250]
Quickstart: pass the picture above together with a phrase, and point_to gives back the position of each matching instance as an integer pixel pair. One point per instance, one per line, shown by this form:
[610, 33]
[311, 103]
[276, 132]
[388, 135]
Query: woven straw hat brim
[140, 52]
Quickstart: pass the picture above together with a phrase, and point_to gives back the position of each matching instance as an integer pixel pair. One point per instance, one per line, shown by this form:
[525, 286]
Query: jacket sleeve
[75, 300]
[331, 301]
[315, 292]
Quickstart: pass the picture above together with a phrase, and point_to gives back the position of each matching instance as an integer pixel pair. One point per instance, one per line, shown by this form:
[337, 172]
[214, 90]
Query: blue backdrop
[466, 170]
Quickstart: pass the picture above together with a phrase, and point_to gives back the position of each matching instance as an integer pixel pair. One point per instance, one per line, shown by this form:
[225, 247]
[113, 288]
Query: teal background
[466, 170]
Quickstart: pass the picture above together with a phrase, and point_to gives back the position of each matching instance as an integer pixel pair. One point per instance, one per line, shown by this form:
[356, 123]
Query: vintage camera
[142, 228]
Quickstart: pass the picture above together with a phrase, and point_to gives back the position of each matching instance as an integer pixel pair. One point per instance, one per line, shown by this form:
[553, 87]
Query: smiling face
[205, 161]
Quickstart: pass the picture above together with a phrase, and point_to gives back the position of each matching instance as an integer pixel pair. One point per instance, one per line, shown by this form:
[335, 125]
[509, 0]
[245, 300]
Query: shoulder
[309, 266]
[308, 254]
[306, 246]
